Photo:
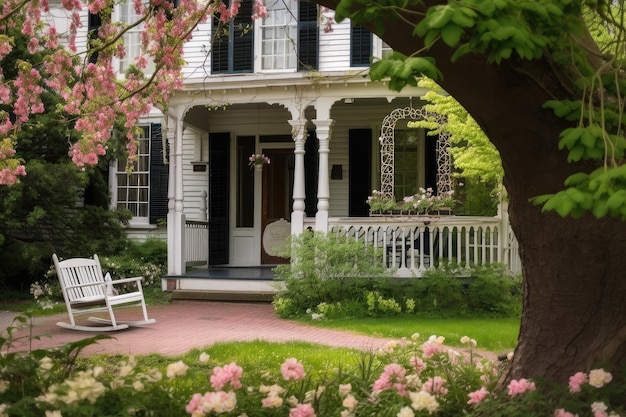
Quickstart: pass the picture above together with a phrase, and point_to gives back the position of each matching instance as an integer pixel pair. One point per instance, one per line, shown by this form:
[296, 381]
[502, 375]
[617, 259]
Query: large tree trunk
[574, 269]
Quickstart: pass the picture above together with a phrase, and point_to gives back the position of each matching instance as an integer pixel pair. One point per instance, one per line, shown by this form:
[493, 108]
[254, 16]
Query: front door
[277, 195]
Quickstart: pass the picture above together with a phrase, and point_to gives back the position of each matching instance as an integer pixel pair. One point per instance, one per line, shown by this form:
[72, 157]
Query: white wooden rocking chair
[86, 290]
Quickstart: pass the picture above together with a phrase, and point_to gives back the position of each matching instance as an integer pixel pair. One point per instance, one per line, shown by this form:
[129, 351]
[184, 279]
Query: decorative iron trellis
[387, 146]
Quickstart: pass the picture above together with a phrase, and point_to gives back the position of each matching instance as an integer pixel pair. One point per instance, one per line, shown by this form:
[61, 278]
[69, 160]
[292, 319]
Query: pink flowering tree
[94, 98]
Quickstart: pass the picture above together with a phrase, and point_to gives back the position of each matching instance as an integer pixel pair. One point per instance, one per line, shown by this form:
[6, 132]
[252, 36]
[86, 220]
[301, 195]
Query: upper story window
[279, 43]
[132, 38]
[287, 40]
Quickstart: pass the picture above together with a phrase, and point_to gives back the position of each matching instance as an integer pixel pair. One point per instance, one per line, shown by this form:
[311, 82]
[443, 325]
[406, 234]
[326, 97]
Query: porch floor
[229, 272]
[249, 284]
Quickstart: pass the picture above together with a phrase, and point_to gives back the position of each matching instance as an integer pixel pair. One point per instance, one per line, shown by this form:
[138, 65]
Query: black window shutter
[243, 39]
[94, 21]
[159, 174]
[361, 41]
[219, 49]
[233, 46]
[308, 36]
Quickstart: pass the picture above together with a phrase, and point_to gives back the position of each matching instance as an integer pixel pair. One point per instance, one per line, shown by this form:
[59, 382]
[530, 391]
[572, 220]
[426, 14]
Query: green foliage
[557, 31]
[475, 158]
[140, 259]
[409, 376]
[601, 192]
[332, 277]
[57, 207]
[402, 70]
[326, 268]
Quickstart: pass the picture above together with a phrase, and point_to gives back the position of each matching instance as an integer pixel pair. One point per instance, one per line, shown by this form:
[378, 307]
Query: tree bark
[574, 314]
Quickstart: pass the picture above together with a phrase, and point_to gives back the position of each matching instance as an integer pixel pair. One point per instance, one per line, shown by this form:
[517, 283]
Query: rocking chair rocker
[86, 290]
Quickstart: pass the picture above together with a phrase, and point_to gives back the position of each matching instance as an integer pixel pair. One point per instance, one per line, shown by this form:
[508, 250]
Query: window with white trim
[279, 36]
[132, 38]
[133, 185]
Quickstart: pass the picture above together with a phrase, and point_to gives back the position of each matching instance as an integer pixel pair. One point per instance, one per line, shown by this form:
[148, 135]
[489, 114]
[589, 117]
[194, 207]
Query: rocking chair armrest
[125, 280]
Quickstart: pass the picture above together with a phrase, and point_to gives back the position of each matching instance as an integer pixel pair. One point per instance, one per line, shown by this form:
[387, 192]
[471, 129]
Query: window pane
[281, 27]
[132, 187]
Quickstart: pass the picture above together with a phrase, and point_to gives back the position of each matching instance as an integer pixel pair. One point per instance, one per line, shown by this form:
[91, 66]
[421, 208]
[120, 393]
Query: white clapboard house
[301, 96]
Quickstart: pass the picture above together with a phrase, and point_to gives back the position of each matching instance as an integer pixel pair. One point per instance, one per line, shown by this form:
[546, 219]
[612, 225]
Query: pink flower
[228, 374]
[193, 403]
[518, 387]
[292, 369]
[393, 376]
[435, 386]
[259, 10]
[431, 348]
[562, 413]
[478, 396]
[576, 380]
[418, 364]
[302, 410]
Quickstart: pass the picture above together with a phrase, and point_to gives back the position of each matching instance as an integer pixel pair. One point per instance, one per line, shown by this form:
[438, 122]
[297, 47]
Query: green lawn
[493, 334]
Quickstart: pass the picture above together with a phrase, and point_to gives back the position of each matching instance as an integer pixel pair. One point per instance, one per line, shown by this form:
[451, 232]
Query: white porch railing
[196, 242]
[410, 244]
[413, 244]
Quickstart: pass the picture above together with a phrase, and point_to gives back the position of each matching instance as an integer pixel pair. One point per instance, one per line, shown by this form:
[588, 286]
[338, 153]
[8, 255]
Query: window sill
[141, 225]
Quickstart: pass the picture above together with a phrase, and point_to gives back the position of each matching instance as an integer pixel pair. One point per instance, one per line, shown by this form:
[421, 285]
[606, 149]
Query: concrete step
[224, 295]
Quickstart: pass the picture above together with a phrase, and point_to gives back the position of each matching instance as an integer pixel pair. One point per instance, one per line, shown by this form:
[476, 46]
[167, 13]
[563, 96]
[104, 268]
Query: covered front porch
[329, 145]
[409, 245]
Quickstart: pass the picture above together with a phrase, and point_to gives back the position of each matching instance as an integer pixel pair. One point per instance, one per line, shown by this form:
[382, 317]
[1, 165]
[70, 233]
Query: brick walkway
[183, 325]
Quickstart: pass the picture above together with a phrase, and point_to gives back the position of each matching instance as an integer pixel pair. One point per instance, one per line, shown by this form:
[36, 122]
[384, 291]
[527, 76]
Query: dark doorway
[219, 146]
[360, 171]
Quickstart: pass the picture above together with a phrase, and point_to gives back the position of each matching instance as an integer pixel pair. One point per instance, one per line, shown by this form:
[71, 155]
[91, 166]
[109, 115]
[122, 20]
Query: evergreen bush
[333, 277]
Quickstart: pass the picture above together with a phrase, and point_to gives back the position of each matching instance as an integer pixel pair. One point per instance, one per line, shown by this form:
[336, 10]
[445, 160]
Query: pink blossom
[292, 369]
[478, 396]
[33, 43]
[518, 387]
[393, 376]
[52, 39]
[418, 364]
[562, 413]
[435, 386]
[193, 403]
[431, 348]
[259, 10]
[576, 380]
[228, 374]
[302, 410]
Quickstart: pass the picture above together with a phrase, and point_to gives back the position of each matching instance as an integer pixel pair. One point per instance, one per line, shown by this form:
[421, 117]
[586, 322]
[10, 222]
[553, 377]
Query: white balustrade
[196, 242]
[411, 244]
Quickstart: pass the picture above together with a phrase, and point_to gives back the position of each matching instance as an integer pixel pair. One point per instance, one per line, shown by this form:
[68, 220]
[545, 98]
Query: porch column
[297, 215]
[176, 216]
[323, 128]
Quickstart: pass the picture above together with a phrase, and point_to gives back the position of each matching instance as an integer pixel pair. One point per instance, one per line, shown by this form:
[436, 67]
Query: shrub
[492, 291]
[333, 277]
[146, 259]
[327, 269]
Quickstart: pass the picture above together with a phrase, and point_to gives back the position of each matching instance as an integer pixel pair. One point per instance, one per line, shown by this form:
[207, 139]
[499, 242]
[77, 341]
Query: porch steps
[217, 295]
[237, 284]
